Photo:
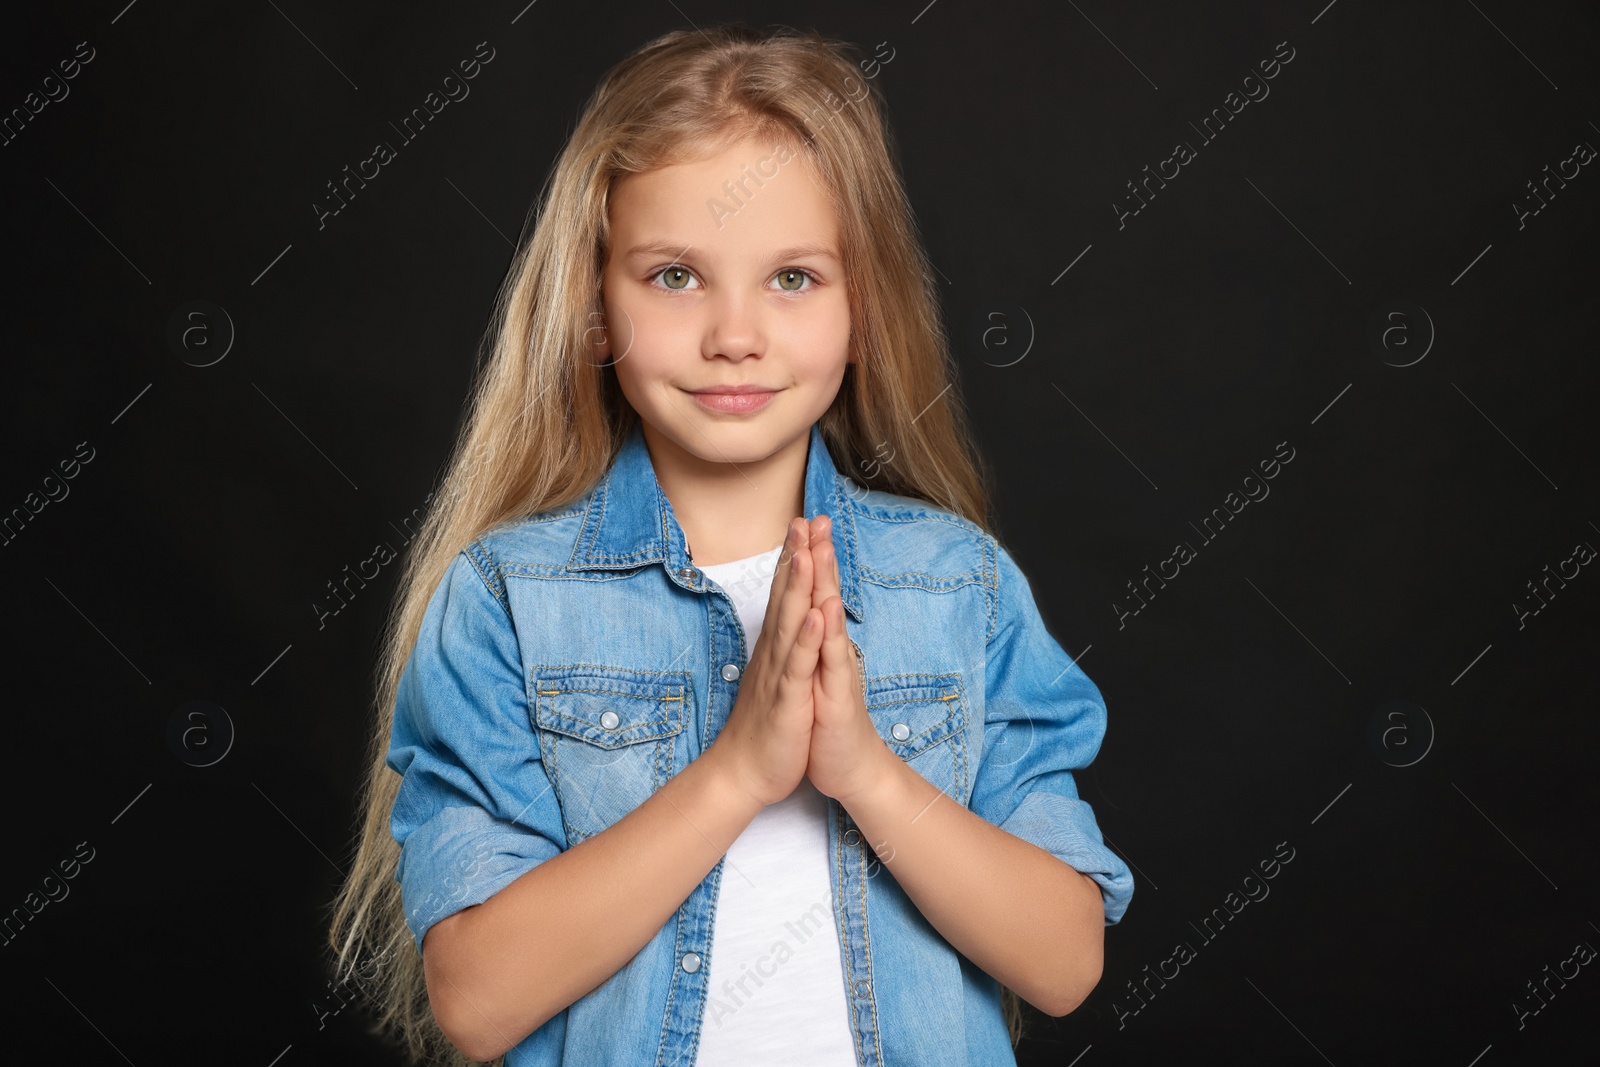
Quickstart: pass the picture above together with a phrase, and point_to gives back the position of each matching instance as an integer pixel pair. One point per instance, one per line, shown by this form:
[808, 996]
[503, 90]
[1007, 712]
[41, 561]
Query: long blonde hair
[545, 419]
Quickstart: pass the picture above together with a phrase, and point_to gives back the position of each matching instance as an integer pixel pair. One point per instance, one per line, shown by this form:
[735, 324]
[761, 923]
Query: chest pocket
[606, 735]
[922, 718]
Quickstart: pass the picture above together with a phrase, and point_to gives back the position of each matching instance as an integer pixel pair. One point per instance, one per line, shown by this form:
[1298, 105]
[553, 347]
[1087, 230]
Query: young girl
[714, 726]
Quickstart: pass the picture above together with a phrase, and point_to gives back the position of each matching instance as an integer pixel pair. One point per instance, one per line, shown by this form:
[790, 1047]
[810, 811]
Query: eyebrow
[678, 249]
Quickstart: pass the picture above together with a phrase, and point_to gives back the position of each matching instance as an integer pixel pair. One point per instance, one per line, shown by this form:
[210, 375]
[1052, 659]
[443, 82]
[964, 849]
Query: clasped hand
[800, 709]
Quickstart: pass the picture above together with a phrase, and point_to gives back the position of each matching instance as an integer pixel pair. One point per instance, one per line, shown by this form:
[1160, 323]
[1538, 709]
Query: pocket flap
[610, 706]
[914, 712]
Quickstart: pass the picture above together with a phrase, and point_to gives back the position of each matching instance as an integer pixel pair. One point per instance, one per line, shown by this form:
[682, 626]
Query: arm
[499, 970]
[1013, 909]
[512, 924]
[1008, 882]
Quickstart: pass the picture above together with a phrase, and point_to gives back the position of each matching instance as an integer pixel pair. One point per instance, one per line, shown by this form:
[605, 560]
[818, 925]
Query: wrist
[886, 780]
[723, 771]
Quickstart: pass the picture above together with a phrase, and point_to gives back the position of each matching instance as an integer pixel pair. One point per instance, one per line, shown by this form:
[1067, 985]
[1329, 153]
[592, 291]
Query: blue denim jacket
[573, 660]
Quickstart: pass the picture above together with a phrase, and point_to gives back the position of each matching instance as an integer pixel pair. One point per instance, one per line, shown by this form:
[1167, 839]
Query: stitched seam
[553, 515]
[552, 667]
[866, 944]
[991, 586]
[558, 576]
[705, 962]
[844, 936]
[574, 835]
[846, 507]
[672, 986]
[564, 722]
[972, 574]
[565, 725]
[663, 756]
[590, 529]
[959, 743]
[922, 587]
[924, 680]
[599, 520]
[484, 554]
[914, 700]
[537, 518]
[711, 665]
[928, 747]
[484, 563]
[908, 513]
[606, 692]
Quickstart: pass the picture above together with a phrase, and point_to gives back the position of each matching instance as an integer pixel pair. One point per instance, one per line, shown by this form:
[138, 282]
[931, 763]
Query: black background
[1122, 400]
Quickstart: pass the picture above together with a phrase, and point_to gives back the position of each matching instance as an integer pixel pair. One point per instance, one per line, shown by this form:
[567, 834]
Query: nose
[734, 329]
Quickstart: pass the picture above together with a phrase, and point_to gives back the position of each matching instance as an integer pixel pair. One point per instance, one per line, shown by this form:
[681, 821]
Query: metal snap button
[686, 572]
[609, 720]
[900, 731]
[730, 672]
[852, 836]
[691, 961]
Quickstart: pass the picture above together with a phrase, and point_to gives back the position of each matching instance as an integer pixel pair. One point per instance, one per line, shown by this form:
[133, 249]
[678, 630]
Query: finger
[795, 599]
[825, 581]
[801, 661]
[781, 576]
[836, 657]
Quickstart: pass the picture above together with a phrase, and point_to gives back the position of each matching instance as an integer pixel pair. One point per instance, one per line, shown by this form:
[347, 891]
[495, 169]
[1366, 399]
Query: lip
[733, 399]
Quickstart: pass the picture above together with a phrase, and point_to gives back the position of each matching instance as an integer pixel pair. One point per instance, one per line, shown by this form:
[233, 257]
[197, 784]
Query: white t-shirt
[776, 993]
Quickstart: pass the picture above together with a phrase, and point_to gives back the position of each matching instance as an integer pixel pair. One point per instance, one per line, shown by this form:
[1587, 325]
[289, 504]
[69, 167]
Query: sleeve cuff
[461, 857]
[1065, 827]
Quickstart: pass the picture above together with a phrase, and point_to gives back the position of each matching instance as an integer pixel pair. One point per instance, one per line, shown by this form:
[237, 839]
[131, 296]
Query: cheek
[642, 338]
[822, 340]
[653, 342]
[652, 361]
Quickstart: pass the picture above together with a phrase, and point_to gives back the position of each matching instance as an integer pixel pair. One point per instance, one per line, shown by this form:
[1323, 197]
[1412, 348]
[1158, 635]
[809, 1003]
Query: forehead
[739, 201]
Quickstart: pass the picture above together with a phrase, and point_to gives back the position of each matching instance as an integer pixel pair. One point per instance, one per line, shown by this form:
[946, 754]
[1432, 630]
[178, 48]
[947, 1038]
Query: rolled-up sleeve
[1043, 719]
[475, 809]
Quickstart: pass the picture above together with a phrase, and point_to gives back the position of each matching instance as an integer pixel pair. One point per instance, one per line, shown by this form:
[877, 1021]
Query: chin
[749, 441]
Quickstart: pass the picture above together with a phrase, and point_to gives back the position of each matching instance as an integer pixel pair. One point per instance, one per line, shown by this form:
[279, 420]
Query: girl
[714, 727]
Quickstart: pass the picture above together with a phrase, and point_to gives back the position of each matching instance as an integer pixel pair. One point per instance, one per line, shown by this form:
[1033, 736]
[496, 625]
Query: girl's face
[725, 273]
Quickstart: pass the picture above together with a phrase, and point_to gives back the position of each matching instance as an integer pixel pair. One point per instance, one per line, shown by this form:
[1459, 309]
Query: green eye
[798, 276]
[668, 272]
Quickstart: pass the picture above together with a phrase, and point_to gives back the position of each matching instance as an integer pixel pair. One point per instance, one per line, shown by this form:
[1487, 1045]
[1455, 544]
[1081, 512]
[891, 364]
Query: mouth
[733, 399]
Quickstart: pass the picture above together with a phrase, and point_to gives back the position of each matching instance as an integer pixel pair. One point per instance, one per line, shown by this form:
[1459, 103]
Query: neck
[730, 510]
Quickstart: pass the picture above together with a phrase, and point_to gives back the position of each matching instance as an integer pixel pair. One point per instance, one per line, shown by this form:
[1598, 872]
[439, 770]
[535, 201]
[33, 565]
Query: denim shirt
[572, 661]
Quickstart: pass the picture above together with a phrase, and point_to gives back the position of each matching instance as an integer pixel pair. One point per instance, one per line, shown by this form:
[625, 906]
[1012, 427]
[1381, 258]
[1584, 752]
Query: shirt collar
[629, 521]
